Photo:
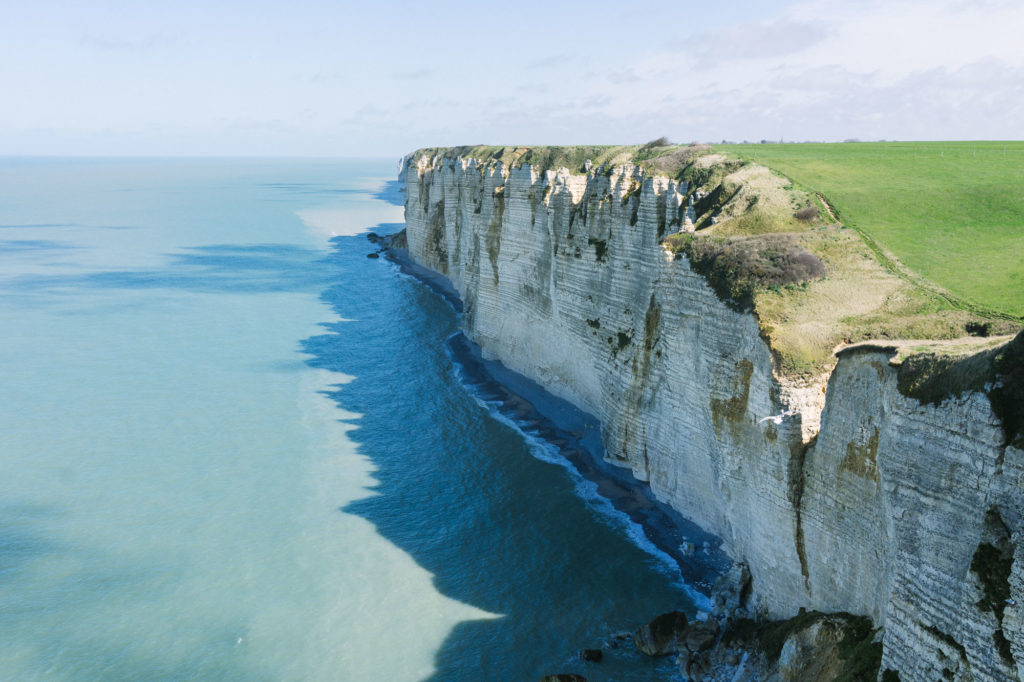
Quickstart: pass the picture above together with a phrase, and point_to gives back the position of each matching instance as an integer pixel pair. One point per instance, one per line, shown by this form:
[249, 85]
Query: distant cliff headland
[796, 347]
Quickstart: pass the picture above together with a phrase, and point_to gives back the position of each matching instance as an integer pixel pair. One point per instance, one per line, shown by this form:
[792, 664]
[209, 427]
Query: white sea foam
[587, 490]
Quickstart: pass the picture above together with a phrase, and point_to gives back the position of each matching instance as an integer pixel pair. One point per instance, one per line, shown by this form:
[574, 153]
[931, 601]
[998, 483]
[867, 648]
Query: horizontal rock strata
[855, 498]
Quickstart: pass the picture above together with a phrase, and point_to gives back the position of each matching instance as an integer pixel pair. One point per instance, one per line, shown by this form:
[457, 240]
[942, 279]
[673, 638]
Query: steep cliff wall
[859, 499]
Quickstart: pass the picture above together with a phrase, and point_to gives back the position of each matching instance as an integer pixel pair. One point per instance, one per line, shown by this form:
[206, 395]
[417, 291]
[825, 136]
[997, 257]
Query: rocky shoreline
[888, 487]
[725, 640]
[730, 644]
[701, 563]
[733, 645]
[696, 553]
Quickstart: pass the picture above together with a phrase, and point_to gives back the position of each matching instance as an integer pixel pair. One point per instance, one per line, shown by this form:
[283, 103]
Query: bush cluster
[659, 142]
[672, 163]
[807, 213]
[737, 268]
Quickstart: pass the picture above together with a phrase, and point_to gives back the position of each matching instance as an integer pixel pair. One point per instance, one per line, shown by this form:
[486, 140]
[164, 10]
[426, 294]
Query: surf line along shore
[695, 553]
[717, 588]
[725, 634]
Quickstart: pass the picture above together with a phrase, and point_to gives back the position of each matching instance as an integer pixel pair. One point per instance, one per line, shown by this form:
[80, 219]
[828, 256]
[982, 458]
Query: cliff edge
[682, 300]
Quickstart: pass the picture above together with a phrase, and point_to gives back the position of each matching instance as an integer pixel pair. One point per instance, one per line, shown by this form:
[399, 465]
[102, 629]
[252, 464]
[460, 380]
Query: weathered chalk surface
[862, 500]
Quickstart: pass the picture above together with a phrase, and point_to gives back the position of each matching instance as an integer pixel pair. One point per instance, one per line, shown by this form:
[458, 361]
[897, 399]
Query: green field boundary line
[828, 207]
[892, 264]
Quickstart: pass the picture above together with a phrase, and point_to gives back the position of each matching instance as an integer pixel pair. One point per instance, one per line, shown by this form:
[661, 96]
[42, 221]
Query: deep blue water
[234, 447]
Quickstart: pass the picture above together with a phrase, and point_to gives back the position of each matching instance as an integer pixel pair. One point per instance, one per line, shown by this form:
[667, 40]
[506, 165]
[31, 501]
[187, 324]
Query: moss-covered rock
[661, 636]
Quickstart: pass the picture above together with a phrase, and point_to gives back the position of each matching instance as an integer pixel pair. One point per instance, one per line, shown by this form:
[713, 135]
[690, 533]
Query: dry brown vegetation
[807, 213]
[770, 246]
[805, 314]
[737, 268]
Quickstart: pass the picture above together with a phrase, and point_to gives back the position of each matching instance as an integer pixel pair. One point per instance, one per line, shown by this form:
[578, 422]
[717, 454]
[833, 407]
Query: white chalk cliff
[861, 499]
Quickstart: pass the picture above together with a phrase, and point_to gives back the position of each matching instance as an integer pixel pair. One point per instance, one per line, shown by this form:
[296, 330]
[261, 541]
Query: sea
[234, 445]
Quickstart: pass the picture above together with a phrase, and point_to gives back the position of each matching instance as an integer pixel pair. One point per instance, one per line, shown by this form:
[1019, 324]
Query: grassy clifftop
[952, 212]
[937, 251]
[657, 157]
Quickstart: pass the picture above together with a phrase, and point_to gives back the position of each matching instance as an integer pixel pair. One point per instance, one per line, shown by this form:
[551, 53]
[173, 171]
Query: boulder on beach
[660, 637]
[700, 636]
[731, 590]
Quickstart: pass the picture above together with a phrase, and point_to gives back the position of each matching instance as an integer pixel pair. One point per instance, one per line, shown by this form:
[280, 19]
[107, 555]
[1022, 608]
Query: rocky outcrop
[810, 646]
[661, 636]
[854, 498]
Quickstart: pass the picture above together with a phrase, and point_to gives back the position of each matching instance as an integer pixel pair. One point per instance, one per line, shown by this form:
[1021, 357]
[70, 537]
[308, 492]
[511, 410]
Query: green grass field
[952, 212]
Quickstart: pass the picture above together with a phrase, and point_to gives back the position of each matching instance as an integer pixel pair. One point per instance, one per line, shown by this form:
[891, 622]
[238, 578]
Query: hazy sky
[312, 77]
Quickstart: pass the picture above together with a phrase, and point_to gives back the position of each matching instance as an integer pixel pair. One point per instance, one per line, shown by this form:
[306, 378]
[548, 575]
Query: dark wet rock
[397, 241]
[731, 591]
[701, 636]
[660, 637]
[683, 660]
[373, 255]
[813, 652]
[809, 646]
[563, 677]
[373, 237]
[591, 654]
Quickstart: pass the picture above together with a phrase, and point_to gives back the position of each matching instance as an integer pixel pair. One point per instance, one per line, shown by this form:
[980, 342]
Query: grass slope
[950, 211]
[938, 252]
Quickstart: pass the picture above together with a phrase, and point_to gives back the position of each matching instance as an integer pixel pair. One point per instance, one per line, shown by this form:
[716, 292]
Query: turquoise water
[233, 447]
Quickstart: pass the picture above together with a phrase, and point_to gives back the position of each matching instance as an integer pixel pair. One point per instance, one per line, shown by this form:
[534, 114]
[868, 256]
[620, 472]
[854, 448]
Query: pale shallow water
[232, 447]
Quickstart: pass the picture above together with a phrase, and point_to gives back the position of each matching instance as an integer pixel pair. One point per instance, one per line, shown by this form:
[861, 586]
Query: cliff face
[859, 499]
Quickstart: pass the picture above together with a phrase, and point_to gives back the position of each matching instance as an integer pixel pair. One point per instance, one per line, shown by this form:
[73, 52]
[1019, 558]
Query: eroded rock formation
[856, 498]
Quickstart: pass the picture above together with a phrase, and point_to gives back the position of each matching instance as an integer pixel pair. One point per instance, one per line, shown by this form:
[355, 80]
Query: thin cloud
[596, 101]
[368, 114]
[824, 70]
[549, 61]
[538, 88]
[817, 78]
[779, 38]
[119, 44]
[256, 124]
[498, 102]
[330, 76]
[412, 75]
[623, 76]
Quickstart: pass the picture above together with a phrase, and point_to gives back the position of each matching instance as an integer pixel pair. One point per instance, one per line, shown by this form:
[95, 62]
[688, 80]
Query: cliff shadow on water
[573, 439]
[463, 494]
